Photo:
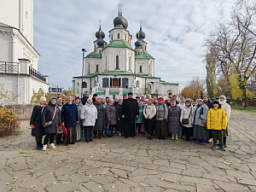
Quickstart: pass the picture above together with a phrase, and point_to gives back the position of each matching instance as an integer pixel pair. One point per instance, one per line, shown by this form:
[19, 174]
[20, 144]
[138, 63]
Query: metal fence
[9, 67]
[36, 74]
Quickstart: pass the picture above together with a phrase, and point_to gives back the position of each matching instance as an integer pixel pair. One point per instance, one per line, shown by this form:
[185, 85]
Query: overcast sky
[175, 32]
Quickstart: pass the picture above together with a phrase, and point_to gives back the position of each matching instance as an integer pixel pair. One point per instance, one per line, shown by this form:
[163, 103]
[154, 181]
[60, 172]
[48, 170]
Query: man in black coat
[208, 102]
[130, 111]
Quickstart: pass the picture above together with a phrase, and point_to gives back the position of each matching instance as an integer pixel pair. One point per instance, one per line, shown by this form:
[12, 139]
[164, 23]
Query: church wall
[109, 59]
[5, 48]
[21, 86]
[90, 65]
[123, 35]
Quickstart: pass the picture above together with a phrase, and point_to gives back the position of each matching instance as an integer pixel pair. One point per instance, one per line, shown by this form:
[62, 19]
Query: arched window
[118, 35]
[130, 64]
[97, 68]
[137, 83]
[84, 85]
[140, 68]
[117, 62]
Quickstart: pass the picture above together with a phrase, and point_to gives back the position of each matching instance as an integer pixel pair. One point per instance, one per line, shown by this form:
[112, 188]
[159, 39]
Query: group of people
[70, 121]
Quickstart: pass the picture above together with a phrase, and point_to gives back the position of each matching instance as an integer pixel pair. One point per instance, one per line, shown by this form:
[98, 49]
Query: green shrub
[8, 122]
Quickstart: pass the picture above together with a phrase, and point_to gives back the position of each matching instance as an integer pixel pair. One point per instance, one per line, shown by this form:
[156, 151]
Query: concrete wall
[22, 111]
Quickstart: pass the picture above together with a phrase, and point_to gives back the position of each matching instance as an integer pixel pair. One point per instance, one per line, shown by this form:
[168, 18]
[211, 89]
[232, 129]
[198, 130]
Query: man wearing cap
[227, 108]
[130, 111]
[216, 122]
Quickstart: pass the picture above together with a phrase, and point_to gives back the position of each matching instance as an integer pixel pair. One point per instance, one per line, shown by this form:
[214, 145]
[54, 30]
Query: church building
[113, 69]
[19, 76]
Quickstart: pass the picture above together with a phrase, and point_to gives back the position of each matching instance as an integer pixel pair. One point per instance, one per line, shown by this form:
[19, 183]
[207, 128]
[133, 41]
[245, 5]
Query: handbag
[186, 121]
[49, 123]
[64, 130]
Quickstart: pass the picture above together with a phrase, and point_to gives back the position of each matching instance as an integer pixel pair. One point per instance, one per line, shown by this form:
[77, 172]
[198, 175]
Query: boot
[99, 134]
[38, 146]
[95, 134]
[224, 141]
[213, 147]
[203, 142]
[44, 147]
[172, 136]
[176, 137]
[222, 148]
[52, 146]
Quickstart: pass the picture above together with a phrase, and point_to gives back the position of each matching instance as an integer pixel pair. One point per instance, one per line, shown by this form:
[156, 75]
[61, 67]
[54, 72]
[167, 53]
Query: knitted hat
[160, 98]
[216, 102]
[223, 96]
[52, 99]
[42, 99]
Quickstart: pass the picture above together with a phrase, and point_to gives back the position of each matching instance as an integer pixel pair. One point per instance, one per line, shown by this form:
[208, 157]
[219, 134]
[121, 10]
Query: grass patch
[241, 108]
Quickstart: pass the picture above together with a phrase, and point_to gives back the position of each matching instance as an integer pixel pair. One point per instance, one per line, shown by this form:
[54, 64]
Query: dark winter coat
[69, 115]
[111, 114]
[47, 116]
[101, 116]
[174, 113]
[84, 100]
[130, 109]
[36, 120]
[209, 104]
[119, 111]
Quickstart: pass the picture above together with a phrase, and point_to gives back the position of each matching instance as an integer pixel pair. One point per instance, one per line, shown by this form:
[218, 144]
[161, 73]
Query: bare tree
[234, 45]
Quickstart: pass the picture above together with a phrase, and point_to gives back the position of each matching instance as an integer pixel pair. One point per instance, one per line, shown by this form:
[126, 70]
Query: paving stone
[231, 186]
[204, 188]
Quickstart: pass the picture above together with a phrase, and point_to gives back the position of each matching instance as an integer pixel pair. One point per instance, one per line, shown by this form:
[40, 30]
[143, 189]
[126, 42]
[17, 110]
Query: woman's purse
[186, 121]
[49, 123]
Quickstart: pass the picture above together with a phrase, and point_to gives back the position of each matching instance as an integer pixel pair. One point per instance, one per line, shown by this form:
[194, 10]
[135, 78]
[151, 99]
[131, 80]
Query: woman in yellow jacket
[217, 121]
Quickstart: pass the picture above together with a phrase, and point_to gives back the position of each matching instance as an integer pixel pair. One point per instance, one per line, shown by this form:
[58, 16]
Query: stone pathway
[133, 164]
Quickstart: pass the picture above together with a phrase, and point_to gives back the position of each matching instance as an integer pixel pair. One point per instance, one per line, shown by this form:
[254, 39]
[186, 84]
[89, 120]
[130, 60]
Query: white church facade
[19, 74]
[116, 68]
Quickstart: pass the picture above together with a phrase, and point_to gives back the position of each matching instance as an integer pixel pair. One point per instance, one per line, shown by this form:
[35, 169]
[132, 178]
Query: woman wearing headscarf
[36, 123]
[51, 120]
[69, 115]
[174, 113]
[89, 115]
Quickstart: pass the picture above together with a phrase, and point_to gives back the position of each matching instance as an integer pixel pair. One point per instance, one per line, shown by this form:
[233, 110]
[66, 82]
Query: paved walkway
[134, 164]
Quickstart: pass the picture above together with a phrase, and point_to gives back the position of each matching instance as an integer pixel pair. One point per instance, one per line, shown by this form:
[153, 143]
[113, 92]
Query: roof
[119, 44]
[113, 73]
[144, 55]
[94, 55]
[4, 25]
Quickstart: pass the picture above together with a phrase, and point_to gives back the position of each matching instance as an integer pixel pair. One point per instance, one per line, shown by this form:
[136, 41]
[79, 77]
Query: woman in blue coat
[69, 116]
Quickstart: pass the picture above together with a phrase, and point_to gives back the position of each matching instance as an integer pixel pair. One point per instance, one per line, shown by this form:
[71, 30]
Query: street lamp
[83, 50]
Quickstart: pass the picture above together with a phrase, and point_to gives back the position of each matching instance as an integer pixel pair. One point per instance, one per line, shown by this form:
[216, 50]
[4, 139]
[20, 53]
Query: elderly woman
[186, 120]
[51, 120]
[89, 115]
[69, 115]
[149, 113]
[36, 123]
[174, 113]
[79, 106]
[111, 115]
[100, 120]
[199, 122]
[161, 119]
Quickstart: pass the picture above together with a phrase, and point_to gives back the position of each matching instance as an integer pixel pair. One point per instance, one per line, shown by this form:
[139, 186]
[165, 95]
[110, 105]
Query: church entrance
[115, 82]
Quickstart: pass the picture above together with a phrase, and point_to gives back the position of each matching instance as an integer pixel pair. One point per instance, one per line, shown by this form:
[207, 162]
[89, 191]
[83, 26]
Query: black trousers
[88, 132]
[129, 130]
[217, 135]
[188, 132]
[138, 127]
[119, 126]
[49, 136]
[150, 125]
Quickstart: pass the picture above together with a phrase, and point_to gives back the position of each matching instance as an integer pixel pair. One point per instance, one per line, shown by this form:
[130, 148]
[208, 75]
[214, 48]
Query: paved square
[133, 164]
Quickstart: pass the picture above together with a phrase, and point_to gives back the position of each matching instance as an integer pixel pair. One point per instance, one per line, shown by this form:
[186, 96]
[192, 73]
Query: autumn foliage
[8, 122]
[193, 90]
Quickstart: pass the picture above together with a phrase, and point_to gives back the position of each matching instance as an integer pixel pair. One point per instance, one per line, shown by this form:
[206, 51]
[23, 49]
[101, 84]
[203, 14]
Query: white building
[18, 58]
[115, 68]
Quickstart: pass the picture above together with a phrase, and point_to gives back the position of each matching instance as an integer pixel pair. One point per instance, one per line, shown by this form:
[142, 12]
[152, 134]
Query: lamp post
[83, 50]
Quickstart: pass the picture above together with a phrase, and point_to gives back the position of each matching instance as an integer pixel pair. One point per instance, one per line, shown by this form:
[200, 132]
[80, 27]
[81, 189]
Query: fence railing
[9, 67]
[14, 68]
[36, 74]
